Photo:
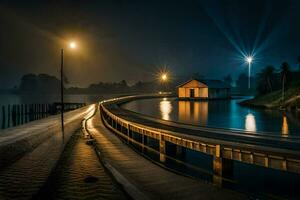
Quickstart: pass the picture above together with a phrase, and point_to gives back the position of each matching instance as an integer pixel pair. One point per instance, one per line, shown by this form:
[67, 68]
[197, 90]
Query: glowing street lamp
[249, 60]
[164, 77]
[72, 45]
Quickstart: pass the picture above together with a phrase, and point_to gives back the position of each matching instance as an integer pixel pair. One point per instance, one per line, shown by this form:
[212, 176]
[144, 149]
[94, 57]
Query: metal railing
[237, 145]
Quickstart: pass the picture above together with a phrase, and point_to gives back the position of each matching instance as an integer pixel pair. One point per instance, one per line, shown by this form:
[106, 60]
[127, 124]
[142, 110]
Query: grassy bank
[274, 99]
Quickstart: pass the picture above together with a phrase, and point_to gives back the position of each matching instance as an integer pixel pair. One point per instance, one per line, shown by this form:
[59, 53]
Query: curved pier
[224, 145]
[143, 179]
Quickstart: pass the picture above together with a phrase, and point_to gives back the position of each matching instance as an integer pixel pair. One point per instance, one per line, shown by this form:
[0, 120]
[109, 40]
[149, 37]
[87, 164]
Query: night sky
[132, 40]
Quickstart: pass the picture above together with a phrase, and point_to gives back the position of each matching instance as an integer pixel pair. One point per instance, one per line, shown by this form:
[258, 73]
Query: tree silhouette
[228, 79]
[242, 82]
[284, 71]
[265, 79]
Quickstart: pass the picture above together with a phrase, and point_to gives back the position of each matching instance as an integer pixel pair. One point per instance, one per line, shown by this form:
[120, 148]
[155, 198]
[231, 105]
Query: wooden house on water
[203, 89]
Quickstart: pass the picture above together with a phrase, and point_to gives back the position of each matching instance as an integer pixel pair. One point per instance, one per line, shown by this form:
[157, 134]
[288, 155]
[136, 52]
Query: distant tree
[298, 61]
[66, 80]
[284, 72]
[242, 82]
[28, 82]
[42, 83]
[265, 80]
[228, 79]
[123, 83]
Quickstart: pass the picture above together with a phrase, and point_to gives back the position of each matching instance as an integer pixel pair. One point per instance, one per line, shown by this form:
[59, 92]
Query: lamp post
[72, 45]
[249, 60]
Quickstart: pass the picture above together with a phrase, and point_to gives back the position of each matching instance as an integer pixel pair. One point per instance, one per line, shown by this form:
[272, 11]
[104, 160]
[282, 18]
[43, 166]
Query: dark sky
[132, 40]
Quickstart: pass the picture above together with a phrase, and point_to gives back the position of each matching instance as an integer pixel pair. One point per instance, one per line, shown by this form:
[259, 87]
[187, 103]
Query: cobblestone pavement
[80, 175]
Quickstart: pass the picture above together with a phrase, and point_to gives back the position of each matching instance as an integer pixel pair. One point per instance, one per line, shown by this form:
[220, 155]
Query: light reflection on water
[218, 113]
[165, 109]
[196, 112]
[250, 124]
[285, 126]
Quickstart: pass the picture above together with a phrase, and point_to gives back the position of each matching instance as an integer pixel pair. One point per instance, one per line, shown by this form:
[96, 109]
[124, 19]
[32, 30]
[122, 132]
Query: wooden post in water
[39, 110]
[29, 112]
[14, 115]
[3, 117]
[43, 110]
[22, 113]
[18, 114]
[26, 113]
[8, 116]
[48, 109]
[34, 111]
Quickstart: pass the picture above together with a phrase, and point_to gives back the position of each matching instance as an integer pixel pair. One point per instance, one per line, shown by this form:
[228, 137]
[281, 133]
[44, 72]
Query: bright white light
[73, 45]
[250, 124]
[165, 108]
[249, 59]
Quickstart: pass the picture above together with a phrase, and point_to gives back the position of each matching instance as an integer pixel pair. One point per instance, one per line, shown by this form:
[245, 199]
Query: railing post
[222, 167]
[217, 161]
[162, 148]
[128, 133]
[266, 161]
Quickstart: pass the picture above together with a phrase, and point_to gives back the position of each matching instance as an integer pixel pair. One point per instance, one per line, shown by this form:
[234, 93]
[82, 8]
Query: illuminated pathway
[29, 152]
[143, 179]
[80, 175]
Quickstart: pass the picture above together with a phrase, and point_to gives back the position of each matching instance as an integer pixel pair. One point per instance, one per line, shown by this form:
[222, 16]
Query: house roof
[210, 83]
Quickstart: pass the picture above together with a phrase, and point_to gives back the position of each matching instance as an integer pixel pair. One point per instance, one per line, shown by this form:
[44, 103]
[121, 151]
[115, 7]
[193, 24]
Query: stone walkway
[80, 175]
[146, 177]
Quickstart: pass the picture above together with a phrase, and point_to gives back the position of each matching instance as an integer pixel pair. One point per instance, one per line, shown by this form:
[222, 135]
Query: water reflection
[193, 111]
[165, 107]
[221, 113]
[250, 124]
[285, 126]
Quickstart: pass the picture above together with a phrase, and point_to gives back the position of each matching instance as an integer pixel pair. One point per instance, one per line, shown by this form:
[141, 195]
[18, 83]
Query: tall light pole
[249, 60]
[72, 45]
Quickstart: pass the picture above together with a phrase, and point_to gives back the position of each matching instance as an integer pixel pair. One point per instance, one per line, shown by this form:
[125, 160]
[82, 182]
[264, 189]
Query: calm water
[218, 113]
